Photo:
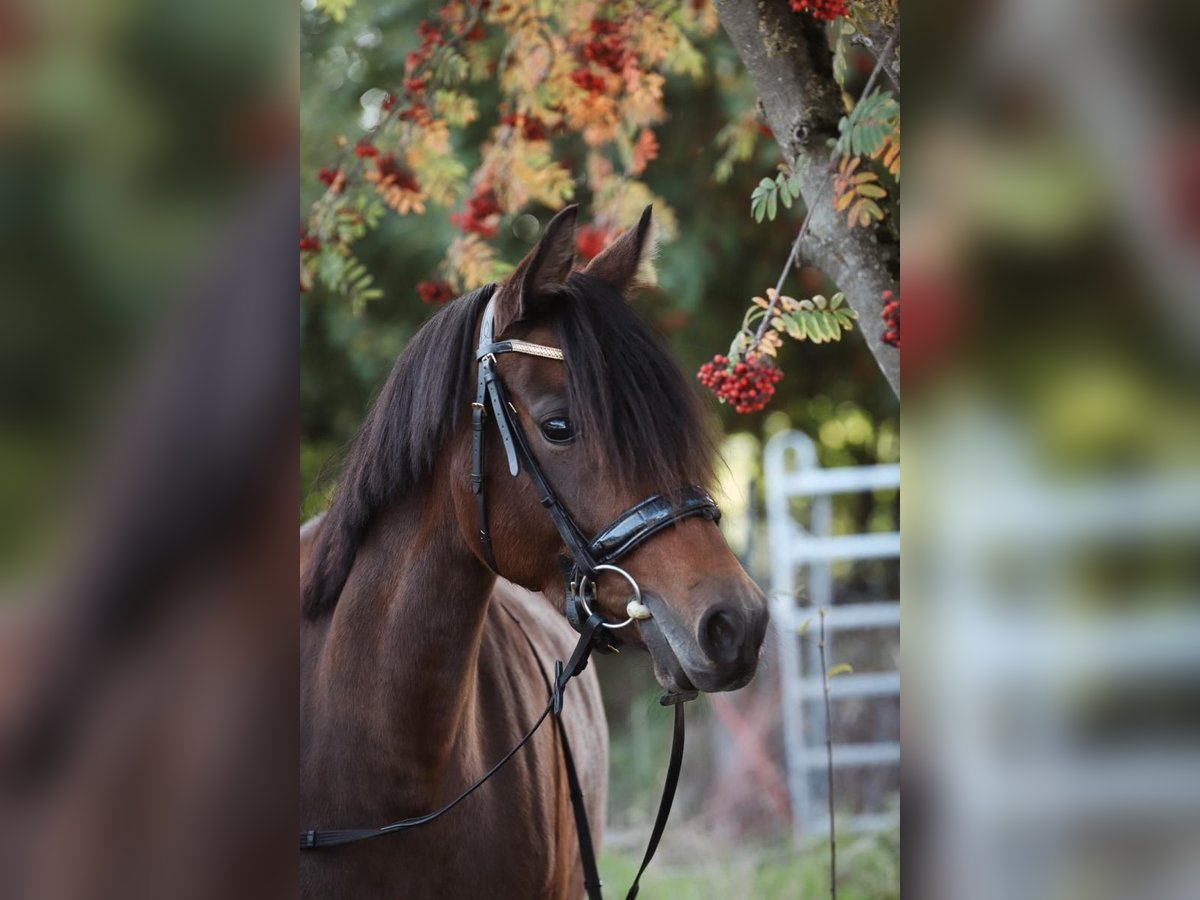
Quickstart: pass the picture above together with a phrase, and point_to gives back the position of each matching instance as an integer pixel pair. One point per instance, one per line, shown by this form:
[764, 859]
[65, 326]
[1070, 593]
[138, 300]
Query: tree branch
[788, 58]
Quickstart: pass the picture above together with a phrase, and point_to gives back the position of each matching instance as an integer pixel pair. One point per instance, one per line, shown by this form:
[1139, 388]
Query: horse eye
[557, 429]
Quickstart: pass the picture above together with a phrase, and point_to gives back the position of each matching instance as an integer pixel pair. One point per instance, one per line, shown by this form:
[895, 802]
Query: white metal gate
[802, 558]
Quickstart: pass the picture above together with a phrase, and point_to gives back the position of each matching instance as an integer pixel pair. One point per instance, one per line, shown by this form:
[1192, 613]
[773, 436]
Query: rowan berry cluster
[435, 293]
[607, 49]
[392, 172]
[482, 215]
[589, 81]
[590, 240]
[891, 318]
[531, 127]
[822, 9]
[747, 385]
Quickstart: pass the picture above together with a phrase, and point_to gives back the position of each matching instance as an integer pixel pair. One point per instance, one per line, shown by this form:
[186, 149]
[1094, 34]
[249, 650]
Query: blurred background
[1051, 469]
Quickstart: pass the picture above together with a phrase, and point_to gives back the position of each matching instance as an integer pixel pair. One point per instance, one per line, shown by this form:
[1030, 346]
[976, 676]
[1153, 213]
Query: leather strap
[314, 839]
[633, 527]
[649, 517]
[583, 829]
[669, 785]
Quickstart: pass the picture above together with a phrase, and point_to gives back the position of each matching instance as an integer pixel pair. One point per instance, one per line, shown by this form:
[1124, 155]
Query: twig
[880, 60]
[795, 251]
[828, 761]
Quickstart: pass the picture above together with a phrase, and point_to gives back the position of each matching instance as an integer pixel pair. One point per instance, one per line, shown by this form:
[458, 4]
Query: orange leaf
[645, 150]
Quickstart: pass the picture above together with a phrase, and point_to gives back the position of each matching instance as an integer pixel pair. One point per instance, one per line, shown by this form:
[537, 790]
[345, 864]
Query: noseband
[585, 559]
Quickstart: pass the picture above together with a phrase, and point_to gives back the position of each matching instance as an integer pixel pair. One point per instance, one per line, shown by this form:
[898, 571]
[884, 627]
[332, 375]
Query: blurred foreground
[149, 403]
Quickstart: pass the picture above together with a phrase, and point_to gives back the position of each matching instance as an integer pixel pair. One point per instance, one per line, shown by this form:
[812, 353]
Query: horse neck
[400, 659]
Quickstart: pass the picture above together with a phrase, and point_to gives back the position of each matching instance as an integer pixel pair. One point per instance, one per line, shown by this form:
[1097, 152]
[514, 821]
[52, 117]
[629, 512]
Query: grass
[868, 869]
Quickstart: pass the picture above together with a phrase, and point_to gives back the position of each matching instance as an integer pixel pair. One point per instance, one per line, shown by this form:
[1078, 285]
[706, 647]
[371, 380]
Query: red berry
[822, 9]
[747, 385]
[435, 292]
[891, 318]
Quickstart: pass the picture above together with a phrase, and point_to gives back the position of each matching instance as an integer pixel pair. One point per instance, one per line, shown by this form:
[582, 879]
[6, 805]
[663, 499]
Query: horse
[426, 621]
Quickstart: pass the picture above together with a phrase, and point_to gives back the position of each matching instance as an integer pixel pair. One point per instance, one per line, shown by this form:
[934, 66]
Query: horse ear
[545, 268]
[628, 262]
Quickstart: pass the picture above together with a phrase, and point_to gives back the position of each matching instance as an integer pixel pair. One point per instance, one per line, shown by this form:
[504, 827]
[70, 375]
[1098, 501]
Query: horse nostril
[721, 635]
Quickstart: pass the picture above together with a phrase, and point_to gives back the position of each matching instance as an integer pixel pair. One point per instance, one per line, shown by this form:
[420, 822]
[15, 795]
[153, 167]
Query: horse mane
[635, 411]
[421, 403]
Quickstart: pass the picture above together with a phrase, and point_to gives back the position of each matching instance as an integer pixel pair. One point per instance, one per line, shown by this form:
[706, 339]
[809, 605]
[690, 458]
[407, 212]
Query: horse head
[611, 423]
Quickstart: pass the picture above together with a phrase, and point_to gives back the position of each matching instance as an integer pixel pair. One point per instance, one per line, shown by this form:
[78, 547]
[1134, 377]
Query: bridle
[586, 559]
[582, 565]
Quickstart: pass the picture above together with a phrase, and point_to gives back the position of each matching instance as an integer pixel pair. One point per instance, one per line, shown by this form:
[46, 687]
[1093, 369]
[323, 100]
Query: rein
[581, 568]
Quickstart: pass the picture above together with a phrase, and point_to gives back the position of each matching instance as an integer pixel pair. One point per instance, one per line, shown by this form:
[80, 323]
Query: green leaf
[803, 629]
[836, 300]
[785, 190]
[810, 326]
[840, 669]
[772, 205]
[873, 119]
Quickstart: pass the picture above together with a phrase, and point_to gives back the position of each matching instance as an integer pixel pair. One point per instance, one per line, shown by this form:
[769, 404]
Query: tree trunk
[788, 57]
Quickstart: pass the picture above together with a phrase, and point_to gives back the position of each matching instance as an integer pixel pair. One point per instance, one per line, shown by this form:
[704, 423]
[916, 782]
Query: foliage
[873, 120]
[870, 131]
[765, 200]
[737, 141]
[855, 193]
[581, 90]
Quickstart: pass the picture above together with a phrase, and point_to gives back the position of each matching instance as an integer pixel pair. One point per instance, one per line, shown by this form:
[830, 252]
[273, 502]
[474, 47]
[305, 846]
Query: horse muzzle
[721, 651]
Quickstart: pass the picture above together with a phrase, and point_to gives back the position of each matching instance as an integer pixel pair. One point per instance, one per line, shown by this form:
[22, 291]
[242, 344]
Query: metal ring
[582, 594]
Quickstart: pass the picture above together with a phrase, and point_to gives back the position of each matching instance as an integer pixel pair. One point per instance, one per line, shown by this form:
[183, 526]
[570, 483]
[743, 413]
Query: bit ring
[630, 608]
